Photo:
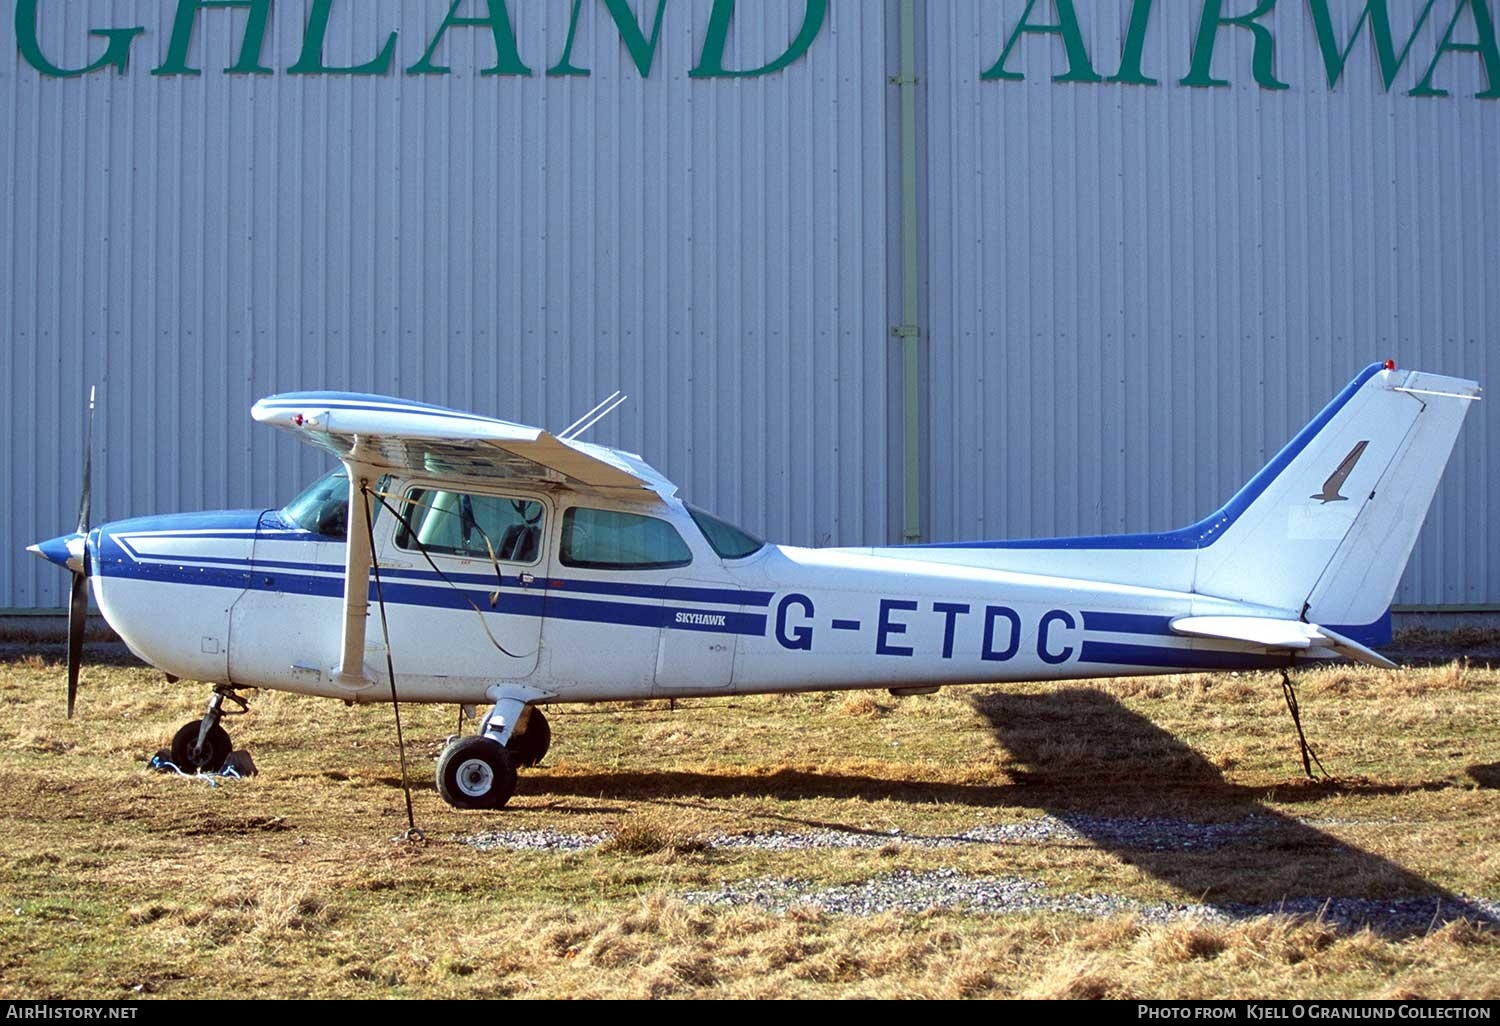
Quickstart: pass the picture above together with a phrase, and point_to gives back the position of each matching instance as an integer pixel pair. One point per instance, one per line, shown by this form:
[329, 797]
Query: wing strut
[358, 554]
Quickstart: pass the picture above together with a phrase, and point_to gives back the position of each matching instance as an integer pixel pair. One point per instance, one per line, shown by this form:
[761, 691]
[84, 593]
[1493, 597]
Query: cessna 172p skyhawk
[517, 568]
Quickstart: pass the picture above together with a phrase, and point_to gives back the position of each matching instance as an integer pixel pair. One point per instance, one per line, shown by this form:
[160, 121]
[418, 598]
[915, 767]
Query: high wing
[402, 436]
[372, 433]
[1288, 635]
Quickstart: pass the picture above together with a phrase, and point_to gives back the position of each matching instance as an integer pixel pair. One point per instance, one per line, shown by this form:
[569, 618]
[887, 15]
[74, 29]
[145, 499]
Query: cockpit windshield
[324, 507]
[728, 541]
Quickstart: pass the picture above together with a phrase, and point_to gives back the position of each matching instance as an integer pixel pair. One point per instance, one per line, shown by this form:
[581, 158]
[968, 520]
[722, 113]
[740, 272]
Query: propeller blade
[86, 496]
[78, 604]
[78, 611]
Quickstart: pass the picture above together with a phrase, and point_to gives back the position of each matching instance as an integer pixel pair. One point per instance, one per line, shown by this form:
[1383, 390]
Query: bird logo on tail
[1330, 492]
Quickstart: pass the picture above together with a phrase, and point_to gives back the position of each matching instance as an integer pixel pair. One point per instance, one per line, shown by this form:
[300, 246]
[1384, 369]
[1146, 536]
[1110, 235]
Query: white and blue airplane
[512, 568]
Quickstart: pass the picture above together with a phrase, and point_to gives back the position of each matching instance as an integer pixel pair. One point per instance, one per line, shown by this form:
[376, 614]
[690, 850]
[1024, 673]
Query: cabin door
[698, 638]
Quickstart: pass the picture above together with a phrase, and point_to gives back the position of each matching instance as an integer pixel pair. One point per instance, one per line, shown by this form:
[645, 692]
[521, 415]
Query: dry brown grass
[862, 704]
[116, 882]
[1459, 639]
[654, 836]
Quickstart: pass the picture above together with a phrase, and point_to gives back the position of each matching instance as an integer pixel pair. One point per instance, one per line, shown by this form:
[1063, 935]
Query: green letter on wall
[311, 61]
[1264, 61]
[642, 50]
[1135, 42]
[1379, 19]
[507, 57]
[711, 63]
[182, 37]
[1489, 54]
[116, 54]
[1080, 68]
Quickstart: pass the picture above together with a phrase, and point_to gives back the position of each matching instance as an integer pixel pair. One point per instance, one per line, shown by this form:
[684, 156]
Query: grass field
[1156, 794]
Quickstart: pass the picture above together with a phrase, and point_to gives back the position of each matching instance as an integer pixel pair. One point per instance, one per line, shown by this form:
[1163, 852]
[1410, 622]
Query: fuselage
[588, 599]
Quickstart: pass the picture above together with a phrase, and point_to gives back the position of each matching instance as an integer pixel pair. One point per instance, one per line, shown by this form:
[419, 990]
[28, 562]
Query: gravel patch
[533, 840]
[946, 889]
[1117, 834]
[951, 890]
[1136, 834]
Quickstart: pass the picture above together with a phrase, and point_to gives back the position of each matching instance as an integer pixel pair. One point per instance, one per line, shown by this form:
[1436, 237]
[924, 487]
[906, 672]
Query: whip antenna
[594, 416]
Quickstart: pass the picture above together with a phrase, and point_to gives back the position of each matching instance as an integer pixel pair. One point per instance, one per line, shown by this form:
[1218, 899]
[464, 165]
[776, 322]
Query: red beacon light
[1390, 365]
[298, 418]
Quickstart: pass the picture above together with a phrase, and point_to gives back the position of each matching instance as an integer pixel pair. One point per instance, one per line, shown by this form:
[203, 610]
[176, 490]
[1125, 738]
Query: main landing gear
[479, 771]
[202, 744]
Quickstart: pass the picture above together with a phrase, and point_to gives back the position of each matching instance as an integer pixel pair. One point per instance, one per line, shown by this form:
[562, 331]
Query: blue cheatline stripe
[1208, 530]
[263, 566]
[299, 584]
[662, 591]
[203, 577]
[649, 591]
[591, 611]
[1126, 623]
[509, 601]
[1111, 654]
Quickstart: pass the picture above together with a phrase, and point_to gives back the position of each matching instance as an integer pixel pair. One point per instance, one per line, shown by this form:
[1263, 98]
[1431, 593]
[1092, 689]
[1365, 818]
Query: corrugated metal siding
[1134, 295]
[516, 246]
[1138, 294]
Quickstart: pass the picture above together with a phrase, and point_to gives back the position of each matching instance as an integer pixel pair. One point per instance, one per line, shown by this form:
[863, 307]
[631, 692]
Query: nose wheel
[476, 772]
[203, 745]
[479, 771]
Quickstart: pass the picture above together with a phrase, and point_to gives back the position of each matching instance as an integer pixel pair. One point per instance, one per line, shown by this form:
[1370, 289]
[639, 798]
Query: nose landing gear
[201, 745]
[479, 771]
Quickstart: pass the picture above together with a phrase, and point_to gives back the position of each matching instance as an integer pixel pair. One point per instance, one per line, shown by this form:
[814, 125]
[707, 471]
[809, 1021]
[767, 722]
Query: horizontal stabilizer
[1269, 632]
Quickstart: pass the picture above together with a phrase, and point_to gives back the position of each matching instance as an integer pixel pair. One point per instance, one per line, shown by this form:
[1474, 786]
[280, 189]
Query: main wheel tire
[530, 747]
[476, 773]
[189, 757]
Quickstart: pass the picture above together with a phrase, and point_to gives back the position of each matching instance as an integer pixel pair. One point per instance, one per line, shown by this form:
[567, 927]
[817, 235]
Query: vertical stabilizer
[1329, 529]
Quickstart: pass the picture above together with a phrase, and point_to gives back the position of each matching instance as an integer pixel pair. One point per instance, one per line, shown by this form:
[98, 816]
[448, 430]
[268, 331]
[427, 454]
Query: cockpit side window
[472, 526]
[598, 539]
[323, 508]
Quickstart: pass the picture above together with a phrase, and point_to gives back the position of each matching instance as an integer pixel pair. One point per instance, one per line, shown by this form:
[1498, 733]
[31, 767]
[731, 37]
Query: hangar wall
[1130, 294]
[519, 245]
[1140, 292]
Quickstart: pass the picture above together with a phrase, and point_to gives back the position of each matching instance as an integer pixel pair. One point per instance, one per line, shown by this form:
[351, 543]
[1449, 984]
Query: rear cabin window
[597, 539]
[472, 526]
